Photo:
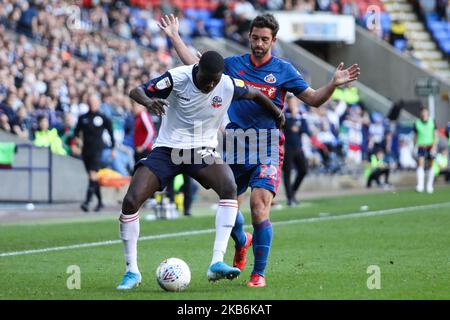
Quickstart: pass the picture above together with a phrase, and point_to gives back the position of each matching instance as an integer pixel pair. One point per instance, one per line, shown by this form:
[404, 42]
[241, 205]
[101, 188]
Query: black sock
[97, 193]
[90, 191]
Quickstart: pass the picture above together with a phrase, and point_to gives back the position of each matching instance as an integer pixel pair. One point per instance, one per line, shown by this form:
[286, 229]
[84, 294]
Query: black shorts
[167, 163]
[425, 152]
[92, 161]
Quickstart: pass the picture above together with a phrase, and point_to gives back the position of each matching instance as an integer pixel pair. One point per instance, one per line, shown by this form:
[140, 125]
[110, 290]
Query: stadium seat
[445, 46]
[203, 14]
[436, 26]
[191, 13]
[215, 27]
[400, 44]
[441, 35]
[432, 16]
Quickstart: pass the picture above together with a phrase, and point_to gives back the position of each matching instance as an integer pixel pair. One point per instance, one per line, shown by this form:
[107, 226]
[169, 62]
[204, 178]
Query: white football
[173, 274]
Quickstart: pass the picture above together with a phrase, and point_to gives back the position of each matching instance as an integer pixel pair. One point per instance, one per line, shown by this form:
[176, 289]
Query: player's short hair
[266, 20]
[211, 62]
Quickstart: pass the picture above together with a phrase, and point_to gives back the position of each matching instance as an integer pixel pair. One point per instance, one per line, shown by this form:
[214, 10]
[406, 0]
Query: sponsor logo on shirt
[270, 78]
[216, 102]
[269, 91]
[183, 98]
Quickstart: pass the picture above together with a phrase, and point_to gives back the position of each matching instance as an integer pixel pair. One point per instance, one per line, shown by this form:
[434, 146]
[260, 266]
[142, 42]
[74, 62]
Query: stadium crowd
[55, 54]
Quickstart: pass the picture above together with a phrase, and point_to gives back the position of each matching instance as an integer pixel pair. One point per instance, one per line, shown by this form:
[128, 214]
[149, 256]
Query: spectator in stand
[4, 122]
[428, 6]
[66, 133]
[405, 157]
[441, 6]
[440, 164]
[351, 135]
[220, 11]
[350, 7]
[144, 132]
[6, 107]
[21, 124]
[302, 6]
[378, 167]
[447, 11]
[397, 32]
[379, 135]
[45, 137]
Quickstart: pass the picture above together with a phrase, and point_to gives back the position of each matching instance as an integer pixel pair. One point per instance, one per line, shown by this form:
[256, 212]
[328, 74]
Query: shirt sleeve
[159, 87]
[294, 81]
[109, 128]
[240, 89]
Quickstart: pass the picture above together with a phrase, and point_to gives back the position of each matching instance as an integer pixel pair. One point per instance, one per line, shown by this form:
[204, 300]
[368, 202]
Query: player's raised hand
[343, 76]
[170, 25]
[157, 106]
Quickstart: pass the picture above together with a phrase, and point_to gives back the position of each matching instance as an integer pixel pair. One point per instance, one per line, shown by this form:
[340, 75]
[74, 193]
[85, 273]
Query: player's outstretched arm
[170, 26]
[342, 76]
[154, 105]
[266, 103]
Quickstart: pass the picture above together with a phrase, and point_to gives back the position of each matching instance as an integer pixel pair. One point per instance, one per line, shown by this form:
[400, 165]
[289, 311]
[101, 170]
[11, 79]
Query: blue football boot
[220, 270]
[130, 280]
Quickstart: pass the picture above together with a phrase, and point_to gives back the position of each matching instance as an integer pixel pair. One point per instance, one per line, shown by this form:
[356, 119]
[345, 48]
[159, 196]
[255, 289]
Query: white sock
[129, 233]
[420, 178]
[430, 180]
[225, 218]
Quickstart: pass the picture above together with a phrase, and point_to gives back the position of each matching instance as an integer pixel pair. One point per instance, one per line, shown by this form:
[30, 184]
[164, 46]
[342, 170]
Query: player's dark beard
[261, 53]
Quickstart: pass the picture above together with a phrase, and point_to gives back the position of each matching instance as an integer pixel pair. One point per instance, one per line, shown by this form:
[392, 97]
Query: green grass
[325, 259]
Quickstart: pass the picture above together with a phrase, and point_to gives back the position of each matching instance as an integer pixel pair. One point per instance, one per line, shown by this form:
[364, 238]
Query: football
[173, 274]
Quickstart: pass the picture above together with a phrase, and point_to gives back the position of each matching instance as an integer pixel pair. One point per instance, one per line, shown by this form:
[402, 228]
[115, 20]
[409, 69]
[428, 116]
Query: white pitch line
[206, 231]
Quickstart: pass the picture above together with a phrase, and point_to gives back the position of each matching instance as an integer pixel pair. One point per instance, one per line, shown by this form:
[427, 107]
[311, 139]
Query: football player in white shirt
[198, 97]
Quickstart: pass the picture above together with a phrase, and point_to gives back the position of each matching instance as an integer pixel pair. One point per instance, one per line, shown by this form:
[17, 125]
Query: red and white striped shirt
[144, 131]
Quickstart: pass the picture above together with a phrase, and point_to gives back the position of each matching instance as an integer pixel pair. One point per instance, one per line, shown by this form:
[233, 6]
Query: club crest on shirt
[270, 78]
[98, 121]
[216, 102]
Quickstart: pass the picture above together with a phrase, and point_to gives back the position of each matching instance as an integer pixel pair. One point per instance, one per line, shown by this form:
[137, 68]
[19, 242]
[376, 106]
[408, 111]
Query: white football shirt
[192, 118]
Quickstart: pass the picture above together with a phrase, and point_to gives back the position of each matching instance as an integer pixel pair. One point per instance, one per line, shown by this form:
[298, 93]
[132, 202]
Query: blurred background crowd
[55, 53]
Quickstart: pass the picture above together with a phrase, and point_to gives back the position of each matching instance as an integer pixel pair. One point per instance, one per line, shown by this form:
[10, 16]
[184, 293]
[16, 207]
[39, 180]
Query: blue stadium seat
[385, 21]
[400, 44]
[203, 14]
[215, 27]
[445, 46]
[191, 13]
[432, 16]
[441, 35]
[436, 26]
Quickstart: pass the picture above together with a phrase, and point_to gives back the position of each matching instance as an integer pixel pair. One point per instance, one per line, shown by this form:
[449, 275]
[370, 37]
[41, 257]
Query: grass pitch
[321, 250]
